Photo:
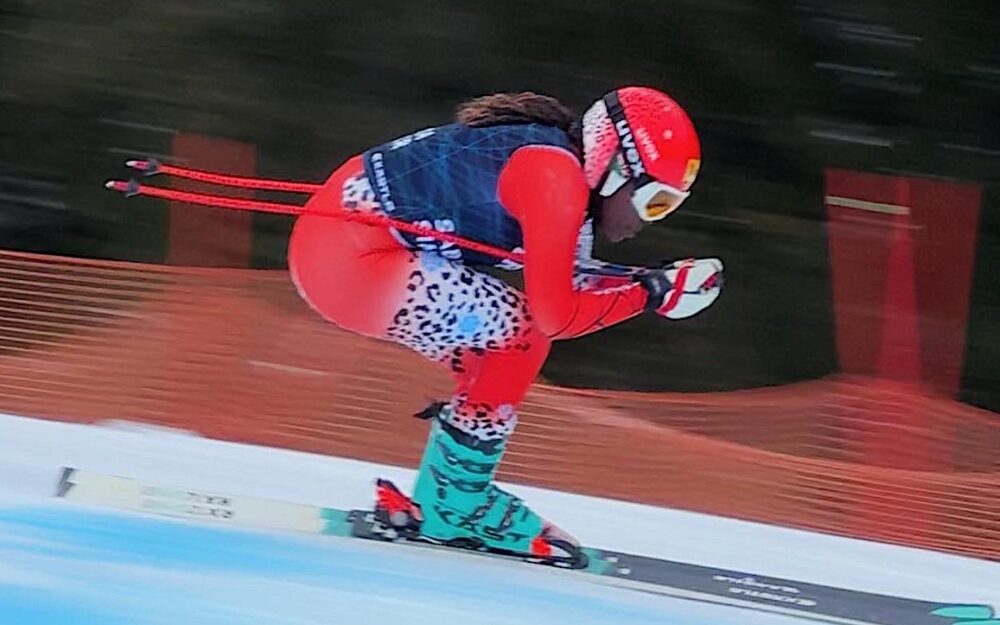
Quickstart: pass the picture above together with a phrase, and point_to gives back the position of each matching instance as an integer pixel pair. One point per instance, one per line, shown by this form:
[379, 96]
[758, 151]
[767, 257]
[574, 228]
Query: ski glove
[683, 288]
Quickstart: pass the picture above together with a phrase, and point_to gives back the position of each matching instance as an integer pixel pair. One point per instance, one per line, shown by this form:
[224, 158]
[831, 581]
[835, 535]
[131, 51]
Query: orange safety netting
[235, 355]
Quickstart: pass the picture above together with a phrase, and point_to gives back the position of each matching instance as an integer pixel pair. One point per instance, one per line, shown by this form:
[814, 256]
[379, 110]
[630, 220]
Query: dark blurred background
[779, 92]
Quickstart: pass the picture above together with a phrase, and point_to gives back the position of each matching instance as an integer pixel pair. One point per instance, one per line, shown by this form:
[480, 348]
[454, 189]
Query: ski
[695, 582]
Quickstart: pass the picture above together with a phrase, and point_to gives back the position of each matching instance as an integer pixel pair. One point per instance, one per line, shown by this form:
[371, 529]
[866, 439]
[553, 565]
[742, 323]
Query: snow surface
[61, 563]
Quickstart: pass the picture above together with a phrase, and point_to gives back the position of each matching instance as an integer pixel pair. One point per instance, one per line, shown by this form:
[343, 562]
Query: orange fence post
[901, 254]
[209, 237]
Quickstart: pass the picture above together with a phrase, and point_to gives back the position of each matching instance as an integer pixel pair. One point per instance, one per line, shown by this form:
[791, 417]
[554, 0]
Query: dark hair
[520, 108]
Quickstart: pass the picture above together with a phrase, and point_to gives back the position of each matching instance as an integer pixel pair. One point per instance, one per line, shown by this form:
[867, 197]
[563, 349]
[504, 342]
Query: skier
[391, 247]
[519, 172]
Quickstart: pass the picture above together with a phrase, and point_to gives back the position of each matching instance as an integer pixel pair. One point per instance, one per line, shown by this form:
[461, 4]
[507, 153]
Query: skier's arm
[544, 189]
[592, 274]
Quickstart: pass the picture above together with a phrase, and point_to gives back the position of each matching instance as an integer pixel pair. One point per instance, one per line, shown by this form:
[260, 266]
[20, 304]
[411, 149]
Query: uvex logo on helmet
[629, 149]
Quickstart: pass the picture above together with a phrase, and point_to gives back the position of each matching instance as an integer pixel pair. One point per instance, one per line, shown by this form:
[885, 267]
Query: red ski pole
[151, 167]
[132, 188]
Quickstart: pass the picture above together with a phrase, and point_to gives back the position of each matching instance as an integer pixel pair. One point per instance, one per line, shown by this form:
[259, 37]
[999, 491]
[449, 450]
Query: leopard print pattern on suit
[451, 309]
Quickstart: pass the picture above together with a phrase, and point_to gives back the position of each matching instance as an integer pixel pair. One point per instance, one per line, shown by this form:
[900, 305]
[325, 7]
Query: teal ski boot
[455, 502]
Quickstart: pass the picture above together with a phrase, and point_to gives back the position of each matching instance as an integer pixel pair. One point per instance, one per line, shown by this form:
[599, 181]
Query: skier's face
[618, 220]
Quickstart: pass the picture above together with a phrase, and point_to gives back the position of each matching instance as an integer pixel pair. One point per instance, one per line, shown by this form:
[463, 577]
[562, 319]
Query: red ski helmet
[643, 135]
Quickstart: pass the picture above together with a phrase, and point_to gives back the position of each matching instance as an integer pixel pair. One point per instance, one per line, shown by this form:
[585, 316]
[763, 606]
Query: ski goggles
[652, 200]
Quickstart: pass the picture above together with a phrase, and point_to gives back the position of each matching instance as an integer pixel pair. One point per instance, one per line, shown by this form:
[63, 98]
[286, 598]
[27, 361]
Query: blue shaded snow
[63, 564]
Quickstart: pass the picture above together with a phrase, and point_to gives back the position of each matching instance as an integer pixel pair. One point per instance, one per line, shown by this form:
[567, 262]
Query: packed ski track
[62, 563]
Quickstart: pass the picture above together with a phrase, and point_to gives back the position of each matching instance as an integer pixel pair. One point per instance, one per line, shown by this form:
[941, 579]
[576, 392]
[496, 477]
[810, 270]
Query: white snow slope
[62, 563]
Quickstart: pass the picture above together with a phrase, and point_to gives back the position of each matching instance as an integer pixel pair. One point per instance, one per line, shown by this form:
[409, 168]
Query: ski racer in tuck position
[517, 181]
[520, 172]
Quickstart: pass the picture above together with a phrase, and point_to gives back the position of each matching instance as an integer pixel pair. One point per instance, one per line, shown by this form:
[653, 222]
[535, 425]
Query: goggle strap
[617, 114]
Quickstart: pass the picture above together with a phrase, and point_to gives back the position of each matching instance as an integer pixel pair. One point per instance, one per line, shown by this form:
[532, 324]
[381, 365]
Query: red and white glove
[684, 288]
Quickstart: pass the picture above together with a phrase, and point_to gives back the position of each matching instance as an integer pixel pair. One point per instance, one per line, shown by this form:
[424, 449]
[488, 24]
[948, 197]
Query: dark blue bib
[446, 178]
